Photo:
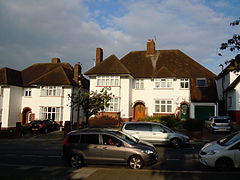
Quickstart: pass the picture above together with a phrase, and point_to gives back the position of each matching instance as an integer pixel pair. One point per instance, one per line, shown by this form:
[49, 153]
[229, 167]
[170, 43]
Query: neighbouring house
[228, 86]
[40, 91]
[154, 83]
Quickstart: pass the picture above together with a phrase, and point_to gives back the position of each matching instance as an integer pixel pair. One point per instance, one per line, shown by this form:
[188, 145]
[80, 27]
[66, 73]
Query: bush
[104, 122]
[193, 125]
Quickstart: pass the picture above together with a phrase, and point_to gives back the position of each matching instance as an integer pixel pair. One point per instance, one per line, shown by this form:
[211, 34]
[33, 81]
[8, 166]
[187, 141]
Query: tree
[233, 44]
[91, 103]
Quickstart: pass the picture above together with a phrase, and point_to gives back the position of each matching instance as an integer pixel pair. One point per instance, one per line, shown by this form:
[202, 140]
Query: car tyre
[76, 161]
[176, 143]
[135, 162]
[224, 164]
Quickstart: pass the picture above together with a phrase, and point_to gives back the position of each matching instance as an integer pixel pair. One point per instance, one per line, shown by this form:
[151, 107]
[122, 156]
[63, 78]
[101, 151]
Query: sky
[34, 31]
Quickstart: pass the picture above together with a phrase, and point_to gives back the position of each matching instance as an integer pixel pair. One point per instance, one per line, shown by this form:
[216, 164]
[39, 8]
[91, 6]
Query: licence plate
[34, 129]
[223, 129]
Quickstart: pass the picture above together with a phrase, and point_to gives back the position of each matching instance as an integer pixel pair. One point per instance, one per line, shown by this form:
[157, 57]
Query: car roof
[93, 130]
[220, 117]
[142, 122]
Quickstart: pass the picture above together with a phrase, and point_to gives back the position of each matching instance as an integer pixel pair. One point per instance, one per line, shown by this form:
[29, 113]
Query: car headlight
[212, 152]
[148, 151]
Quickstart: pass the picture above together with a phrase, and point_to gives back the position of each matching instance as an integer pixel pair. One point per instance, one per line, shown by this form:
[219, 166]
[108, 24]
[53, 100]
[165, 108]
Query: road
[40, 158]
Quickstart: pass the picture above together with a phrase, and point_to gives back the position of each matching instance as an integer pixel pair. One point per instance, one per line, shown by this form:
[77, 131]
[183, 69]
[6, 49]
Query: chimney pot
[56, 60]
[99, 55]
[150, 47]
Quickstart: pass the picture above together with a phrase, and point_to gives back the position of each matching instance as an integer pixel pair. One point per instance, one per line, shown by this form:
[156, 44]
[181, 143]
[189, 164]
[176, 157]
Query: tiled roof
[111, 65]
[163, 64]
[10, 77]
[42, 74]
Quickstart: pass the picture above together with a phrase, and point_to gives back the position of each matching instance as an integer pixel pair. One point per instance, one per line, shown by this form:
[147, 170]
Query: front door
[139, 111]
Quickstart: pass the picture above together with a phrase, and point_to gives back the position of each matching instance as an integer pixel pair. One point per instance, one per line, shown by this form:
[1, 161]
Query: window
[139, 84]
[27, 92]
[163, 83]
[89, 139]
[230, 101]
[157, 128]
[113, 105]
[53, 113]
[51, 91]
[202, 82]
[163, 106]
[73, 139]
[108, 80]
[109, 140]
[143, 127]
[184, 83]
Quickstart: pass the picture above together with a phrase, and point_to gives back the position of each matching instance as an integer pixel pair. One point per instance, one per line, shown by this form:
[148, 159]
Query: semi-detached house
[154, 83]
[41, 91]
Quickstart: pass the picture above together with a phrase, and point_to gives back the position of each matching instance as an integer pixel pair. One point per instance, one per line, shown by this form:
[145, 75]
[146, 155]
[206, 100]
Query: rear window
[221, 120]
[89, 139]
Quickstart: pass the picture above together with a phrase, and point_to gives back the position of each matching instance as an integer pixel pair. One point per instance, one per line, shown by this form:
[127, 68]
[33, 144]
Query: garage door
[203, 112]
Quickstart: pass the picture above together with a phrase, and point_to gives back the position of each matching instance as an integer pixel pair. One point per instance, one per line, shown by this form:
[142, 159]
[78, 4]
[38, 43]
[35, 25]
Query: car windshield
[126, 137]
[221, 121]
[36, 122]
[228, 140]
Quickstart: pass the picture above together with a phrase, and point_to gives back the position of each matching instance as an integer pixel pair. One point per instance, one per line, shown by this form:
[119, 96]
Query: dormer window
[201, 82]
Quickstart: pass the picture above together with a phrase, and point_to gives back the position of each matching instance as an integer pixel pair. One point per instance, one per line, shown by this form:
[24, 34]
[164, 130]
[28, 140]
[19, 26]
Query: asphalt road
[39, 157]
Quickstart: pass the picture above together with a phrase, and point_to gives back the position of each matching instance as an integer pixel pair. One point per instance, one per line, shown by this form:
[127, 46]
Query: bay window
[113, 105]
[51, 91]
[108, 80]
[53, 113]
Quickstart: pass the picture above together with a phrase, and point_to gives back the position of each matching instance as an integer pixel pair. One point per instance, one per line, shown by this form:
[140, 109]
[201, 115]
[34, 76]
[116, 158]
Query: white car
[155, 133]
[223, 154]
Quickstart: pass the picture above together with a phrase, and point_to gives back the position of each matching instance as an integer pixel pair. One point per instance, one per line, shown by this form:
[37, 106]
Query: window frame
[163, 83]
[162, 106]
[27, 92]
[201, 79]
[109, 81]
[139, 83]
[184, 83]
[46, 112]
[52, 91]
[113, 105]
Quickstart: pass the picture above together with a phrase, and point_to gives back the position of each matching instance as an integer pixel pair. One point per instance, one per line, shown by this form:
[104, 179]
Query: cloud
[34, 31]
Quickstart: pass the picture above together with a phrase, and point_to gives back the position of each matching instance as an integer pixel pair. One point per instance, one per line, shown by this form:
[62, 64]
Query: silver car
[101, 146]
[155, 133]
[219, 124]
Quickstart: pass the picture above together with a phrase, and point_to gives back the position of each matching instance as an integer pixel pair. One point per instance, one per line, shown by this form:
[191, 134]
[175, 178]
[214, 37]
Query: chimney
[99, 55]
[56, 60]
[77, 72]
[150, 47]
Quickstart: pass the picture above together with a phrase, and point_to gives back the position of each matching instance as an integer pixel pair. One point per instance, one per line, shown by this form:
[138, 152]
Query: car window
[143, 127]
[221, 120]
[130, 127]
[157, 128]
[89, 139]
[109, 140]
[74, 139]
[228, 140]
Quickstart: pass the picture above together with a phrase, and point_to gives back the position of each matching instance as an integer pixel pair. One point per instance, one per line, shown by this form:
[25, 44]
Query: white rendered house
[155, 83]
[40, 91]
[228, 86]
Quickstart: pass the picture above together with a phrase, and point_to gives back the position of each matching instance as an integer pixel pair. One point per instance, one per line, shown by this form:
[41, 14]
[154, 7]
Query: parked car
[104, 146]
[219, 124]
[223, 154]
[43, 126]
[155, 133]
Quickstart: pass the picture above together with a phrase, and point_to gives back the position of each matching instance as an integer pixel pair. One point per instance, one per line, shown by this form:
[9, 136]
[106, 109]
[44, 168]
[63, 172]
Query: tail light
[42, 125]
[65, 140]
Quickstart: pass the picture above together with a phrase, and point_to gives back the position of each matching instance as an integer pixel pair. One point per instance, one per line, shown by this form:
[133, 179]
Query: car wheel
[224, 164]
[76, 161]
[176, 143]
[135, 162]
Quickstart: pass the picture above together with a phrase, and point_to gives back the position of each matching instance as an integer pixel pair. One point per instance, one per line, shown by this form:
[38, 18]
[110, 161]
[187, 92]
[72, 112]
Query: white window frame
[108, 81]
[27, 92]
[163, 106]
[51, 91]
[1, 110]
[201, 79]
[163, 83]
[184, 83]
[54, 113]
[113, 105]
[139, 84]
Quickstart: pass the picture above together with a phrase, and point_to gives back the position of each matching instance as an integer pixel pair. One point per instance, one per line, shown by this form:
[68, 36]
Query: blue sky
[34, 31]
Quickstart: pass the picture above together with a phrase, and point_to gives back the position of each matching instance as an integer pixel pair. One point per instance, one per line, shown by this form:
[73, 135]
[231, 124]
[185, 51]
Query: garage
[203, 112]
